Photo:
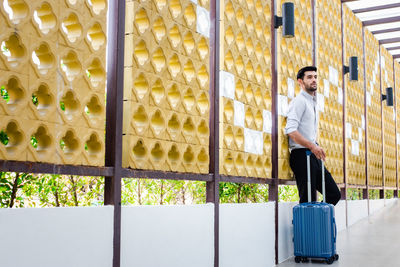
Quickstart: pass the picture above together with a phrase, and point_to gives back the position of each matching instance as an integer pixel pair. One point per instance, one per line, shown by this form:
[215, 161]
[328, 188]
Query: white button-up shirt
[302, 117]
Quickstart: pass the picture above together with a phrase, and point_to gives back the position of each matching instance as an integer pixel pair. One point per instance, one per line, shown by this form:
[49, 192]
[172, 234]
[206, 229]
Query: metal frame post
[396, 192]
[365, 194]
[314, 51]
[314, 34]
[344, 189]
[274, 186]
[382, 191]
[212, 187]
[114, 117]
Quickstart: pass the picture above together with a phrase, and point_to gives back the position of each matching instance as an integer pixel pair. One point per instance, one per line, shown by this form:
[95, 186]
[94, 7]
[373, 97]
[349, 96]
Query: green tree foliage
[46, 190]
[288, 193]
[243, 193]
[389, 194]
[11, 185]
[373, 194]
[162, 192]
[354, 194]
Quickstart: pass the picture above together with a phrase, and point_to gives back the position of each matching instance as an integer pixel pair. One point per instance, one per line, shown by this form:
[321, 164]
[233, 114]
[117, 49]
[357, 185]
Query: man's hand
[315, 149]
[318, 152]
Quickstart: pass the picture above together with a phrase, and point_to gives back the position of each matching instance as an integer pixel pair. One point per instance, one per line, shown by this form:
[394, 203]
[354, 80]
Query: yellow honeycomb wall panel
[329, 63]
[373, 120]
[166, 86]
[245, 88]
[52, 65]
[389, 120]
[354, 97]
[15, 139]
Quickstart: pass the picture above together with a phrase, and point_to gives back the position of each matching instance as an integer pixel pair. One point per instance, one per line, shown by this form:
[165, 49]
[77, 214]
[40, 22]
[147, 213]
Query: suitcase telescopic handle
[308, 153]
[323, 181]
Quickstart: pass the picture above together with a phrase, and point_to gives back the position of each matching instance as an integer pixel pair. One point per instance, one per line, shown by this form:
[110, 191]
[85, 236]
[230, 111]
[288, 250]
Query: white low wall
[178, 236]
[340, 215]
[247, 235]
[390, 202]
[61, 237]
[376, 205]
[285, 232]
[356, 211]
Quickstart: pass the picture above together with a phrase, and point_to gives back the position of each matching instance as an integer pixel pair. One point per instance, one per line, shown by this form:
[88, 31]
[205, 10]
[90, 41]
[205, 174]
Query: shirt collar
[308, 96]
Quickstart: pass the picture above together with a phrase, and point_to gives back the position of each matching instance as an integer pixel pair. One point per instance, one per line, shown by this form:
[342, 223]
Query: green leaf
[35, 100]
[34, 142]
[62, 144]
[4, 139]
[4, 48]
[62, 105]
[4, 93]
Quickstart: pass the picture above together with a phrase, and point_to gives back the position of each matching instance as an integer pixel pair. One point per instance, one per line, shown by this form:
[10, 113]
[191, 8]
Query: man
[301, 127]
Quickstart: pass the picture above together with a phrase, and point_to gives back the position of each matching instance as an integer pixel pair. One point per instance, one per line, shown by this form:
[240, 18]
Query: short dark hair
[300, 74]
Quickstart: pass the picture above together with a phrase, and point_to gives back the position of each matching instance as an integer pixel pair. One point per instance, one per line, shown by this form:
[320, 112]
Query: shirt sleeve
[296, 110]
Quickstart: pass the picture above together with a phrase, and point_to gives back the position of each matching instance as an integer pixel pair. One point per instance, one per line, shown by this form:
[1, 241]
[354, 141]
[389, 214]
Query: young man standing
[301, 127]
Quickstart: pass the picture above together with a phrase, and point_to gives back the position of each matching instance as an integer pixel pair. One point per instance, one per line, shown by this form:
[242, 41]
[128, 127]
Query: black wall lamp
[352, 69]
[286, 21]
[388, 97]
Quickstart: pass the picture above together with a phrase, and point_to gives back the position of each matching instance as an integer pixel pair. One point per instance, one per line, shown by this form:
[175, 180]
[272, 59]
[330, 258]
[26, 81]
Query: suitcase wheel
[298, 259]
[330, 260]
[336, 257]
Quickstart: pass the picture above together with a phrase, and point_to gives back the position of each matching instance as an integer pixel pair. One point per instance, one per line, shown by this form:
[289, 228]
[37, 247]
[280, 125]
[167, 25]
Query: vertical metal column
[273, 187]
[212, 188]
[115, 83]
[365, 191]
[396, 192]
[382, 191]
[314, 36]
[314, 51]
[344, 190]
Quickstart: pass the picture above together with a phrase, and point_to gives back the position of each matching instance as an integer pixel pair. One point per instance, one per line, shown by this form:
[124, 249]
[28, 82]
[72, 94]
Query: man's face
[309, 82]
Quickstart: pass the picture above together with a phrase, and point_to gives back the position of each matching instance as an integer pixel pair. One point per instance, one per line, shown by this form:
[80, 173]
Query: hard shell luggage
[314, 226]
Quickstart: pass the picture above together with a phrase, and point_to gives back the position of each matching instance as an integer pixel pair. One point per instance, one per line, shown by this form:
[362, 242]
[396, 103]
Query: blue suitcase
[314, 226]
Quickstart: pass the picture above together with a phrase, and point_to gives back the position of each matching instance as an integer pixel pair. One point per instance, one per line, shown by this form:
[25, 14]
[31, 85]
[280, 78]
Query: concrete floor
[372, 242]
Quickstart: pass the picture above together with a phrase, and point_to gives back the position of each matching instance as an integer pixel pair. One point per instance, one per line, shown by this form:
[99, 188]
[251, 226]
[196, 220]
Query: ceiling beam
[380, 21]
[389, 41]
[374, 8]
[396, 56]
[344, 1]
[392, 48]
[386, 31]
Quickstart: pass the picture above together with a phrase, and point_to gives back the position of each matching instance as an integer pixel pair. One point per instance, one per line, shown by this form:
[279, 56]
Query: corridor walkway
[372, 242]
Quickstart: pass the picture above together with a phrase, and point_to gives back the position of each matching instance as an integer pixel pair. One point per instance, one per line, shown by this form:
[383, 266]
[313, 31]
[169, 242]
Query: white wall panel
[61, 237]
[285, 234]
[247, 235]
[176, 236]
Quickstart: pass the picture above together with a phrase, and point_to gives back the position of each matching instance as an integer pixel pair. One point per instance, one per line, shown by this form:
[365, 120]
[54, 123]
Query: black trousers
[298, 163]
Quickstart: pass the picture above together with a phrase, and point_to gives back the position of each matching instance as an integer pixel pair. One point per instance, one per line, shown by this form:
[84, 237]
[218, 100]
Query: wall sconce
[388, 97]
[286, 21]
[352, 68]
